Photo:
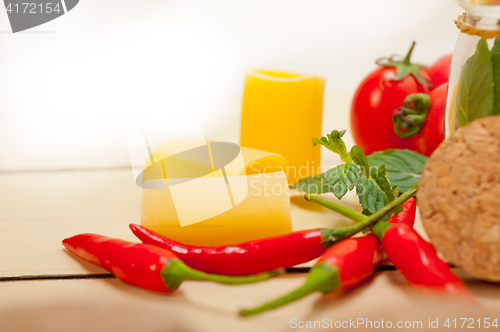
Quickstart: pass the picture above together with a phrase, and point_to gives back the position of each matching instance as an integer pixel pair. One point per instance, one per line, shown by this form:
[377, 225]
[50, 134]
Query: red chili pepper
[343, 266]
[417, 260]
[407, 216]
[247, 258]
[260, 255]
[144, 265]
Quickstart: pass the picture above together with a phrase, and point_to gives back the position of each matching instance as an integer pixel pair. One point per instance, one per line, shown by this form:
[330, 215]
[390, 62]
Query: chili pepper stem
[338, 234]
[175, 272]
[323, 277]
[342, 210]
[379, 228]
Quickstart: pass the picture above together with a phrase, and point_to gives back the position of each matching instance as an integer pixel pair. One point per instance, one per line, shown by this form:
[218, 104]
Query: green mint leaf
[312, 185]
[495, 59]
[366, 212]
[370, 196]
[375, 192]
[334, 142]
[395, 211]
[404, 167]
[396, 191]
[475, 92]
[343, 178]
[358, 156]
[380, 177]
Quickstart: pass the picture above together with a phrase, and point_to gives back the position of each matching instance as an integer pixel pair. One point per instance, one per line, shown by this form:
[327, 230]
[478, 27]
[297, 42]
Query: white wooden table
[44, 288]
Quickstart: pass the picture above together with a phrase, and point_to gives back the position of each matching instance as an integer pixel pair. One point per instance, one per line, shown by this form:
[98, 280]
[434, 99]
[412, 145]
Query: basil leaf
[375, 192]
[313, 185]
[475, 92]
[343, 178]
[495, 59]
[404, 167]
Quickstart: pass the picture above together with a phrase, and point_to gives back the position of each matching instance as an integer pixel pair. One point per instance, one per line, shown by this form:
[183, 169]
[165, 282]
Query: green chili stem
[356, 216]
[380, 228]
[175, 272]
[382, 212]
[342, 210]
[323, 277]
[338, 234]
[237, 280]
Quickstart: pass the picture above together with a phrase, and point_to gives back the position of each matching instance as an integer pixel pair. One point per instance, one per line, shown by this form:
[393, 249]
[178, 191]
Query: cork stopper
[459, 198]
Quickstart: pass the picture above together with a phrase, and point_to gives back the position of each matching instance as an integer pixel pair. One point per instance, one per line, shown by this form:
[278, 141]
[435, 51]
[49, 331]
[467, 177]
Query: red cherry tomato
[440, 70]
[375, 100]
[432, 133]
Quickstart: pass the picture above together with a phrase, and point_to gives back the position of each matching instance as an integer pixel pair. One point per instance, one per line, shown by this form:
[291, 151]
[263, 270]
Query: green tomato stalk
[409, 119]
[405, 67]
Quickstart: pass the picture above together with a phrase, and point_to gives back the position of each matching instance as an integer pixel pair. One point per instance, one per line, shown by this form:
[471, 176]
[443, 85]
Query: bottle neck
[483, 22]
[480, 12]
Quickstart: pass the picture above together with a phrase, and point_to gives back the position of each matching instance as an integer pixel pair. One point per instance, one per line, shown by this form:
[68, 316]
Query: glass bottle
[474, 83]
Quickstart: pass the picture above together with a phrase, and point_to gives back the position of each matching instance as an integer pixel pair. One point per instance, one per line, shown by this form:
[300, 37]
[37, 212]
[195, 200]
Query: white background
[72, 89]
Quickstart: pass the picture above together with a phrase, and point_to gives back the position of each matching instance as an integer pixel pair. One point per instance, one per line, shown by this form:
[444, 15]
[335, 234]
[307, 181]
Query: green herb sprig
[377, 178]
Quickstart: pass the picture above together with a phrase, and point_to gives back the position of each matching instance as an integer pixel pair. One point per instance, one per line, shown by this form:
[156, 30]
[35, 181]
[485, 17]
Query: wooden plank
[39, 209]
[109, 305]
